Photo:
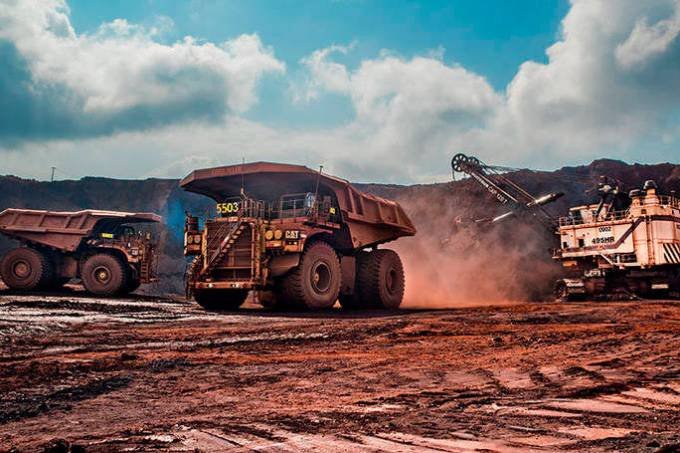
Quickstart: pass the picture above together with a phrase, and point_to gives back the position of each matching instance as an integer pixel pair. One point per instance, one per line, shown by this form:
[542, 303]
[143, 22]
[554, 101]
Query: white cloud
[583, 103]
[120, 68]
[588, 100]
[647, 41]
[611, 80]
[323, 75]
[405, 110]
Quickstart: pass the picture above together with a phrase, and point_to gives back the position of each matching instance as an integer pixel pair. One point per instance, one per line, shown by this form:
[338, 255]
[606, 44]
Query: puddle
[513, 379]
[380, 408]
[596, 433]
[537, 412]
[660, 397]
[597, 406]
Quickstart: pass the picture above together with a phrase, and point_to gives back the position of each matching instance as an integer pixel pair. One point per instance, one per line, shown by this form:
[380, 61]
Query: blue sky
[373, 89]
[489, 38]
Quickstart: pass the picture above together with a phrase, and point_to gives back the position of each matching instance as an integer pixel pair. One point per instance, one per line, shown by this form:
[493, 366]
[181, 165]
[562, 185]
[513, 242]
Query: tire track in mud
[169, 376]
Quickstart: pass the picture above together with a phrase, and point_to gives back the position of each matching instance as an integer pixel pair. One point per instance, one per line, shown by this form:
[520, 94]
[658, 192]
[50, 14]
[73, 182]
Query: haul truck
[625, 243]
[99, 247]
[297, 237]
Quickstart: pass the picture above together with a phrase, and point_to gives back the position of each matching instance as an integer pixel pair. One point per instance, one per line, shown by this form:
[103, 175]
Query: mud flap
[348, 266]
[280, 265]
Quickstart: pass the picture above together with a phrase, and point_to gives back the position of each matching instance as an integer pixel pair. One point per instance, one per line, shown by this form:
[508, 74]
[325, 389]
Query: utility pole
[52, 178]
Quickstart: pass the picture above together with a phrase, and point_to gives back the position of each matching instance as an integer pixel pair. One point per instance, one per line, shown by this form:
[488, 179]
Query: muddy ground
[145, 374]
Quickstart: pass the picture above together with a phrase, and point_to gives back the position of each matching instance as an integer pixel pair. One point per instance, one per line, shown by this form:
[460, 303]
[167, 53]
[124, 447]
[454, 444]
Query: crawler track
[157, 374]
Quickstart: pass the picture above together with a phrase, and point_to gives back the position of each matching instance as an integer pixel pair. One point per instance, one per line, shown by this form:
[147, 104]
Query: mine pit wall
[509, 262]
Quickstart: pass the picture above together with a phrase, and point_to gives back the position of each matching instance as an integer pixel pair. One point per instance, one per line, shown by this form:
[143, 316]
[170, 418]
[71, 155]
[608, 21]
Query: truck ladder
[145, 271]
[226, 243]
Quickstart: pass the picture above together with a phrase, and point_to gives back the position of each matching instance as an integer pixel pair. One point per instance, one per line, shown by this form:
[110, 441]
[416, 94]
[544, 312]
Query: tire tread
[369, 283]
[120, 274]
[291, 291]
[45, 268]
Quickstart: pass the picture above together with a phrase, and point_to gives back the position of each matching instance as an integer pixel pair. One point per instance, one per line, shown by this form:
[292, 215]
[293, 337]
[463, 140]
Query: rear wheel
[104, 275]
[315, 283]
[229, 299]
[380, 279]
[26, 269]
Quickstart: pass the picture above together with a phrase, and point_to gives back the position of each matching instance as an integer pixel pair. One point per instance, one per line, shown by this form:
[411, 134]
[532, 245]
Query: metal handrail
[572, 220]
[669, 200]
[286, 207]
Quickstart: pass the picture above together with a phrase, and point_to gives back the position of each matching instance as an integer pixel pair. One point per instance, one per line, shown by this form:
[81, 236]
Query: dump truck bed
[65, 230]
[371, 219]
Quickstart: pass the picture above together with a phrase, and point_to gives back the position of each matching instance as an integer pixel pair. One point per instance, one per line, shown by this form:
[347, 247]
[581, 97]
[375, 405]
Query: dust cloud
[452, 265]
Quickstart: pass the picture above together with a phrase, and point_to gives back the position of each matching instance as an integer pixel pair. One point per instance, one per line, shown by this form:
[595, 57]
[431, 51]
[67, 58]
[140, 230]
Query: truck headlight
[269, 235]
[278, 234]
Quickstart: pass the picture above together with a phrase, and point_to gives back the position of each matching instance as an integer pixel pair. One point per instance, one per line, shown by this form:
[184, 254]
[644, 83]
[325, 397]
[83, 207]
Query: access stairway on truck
[220, 242]
[233, 249]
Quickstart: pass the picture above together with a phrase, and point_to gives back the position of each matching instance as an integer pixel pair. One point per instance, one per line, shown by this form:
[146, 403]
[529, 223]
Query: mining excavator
[626, 243]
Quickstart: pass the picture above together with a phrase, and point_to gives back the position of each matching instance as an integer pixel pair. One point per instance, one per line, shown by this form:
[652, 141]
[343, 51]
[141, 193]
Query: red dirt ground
[162, 375]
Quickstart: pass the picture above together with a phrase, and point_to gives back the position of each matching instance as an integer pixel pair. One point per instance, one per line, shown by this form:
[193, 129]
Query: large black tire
[26, 269]
[380, 280]
[104, 275]
[220, 299]
[315, 282]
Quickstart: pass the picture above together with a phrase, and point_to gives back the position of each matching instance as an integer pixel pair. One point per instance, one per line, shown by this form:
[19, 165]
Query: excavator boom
[505, 191]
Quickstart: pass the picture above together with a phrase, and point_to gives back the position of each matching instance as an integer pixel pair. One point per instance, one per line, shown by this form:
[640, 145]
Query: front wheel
[104, 275]
[218, 299]
[315, 283]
